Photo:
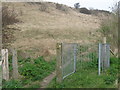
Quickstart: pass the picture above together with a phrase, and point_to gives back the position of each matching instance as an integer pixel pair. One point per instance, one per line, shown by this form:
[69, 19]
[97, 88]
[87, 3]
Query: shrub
[76, 5]
[105, 29]
[97, 12]
[113, 60]
[109, 28]
[37, 70]
[8, 16]
[109, 79]
[28, 70]
[85, 11]
[61, 7]
[43, 7]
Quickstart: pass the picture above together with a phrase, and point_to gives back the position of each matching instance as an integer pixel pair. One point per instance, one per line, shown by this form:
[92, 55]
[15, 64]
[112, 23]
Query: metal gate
[74, 56]
[68, 59]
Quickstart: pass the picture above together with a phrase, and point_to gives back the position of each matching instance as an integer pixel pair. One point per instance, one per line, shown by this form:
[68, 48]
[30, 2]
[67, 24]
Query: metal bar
[62, 44]
[68, 74]
[99, 60]
[102, 57]
[80, 56]
[75, 47]
[108, 56]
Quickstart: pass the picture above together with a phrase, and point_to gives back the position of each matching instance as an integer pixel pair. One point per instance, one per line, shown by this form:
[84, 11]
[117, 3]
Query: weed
[37, 70]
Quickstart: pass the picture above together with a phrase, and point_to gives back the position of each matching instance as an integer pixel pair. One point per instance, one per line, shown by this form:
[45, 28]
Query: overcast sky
[96, 4]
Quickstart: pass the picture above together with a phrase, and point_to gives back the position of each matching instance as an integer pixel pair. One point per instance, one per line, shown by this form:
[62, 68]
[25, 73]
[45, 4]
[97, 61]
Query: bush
[109, 79]
[113, 60]
[109, 28]
[28, 70]
[97, 12]
[8, 16]
[61, 7]
[105, 29]
[113, 69]
[43, 7]
[85, 11]
[37, 70]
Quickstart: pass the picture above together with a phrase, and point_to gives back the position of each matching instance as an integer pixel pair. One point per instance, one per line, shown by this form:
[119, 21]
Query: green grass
[31, 70]
[87, 77]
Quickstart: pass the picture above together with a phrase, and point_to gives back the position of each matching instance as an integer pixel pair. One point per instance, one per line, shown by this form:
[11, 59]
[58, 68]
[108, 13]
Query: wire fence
[86, 54]
[75, 56]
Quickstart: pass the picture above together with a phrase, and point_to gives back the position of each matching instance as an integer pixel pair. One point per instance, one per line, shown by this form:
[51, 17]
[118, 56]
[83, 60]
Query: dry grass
[40, 31]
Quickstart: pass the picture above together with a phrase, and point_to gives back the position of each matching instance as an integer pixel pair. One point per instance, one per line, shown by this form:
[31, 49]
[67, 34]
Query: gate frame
[100, 62]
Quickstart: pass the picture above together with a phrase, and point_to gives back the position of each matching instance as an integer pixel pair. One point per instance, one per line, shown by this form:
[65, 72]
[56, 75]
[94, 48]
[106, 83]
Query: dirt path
[47, 80]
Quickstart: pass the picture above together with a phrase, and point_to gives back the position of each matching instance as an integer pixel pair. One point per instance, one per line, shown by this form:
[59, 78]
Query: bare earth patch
[47, 80]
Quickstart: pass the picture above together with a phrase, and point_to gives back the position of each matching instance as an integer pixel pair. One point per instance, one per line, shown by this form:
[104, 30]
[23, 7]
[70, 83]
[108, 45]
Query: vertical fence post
[104, 40]
[5, 65]
[99, 60]
[104, 53]
[108, 56]
[59, 62]
[15, 64]
[0, 46]
[119, 42]
[75, 56]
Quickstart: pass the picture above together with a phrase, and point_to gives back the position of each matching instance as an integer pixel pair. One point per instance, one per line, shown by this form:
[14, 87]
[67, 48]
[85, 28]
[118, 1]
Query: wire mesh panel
[78, 56]
[77, 53]
[86, 54]
[68, 59]
[104, 57]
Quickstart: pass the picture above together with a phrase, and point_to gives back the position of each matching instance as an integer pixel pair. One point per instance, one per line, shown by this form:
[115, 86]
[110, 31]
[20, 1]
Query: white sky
[96, 4]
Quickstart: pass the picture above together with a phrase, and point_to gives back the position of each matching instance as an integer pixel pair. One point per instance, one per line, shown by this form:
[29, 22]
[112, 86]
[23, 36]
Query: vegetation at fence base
[36, 70]
[87, 77]
[12, 84]
[32, 71]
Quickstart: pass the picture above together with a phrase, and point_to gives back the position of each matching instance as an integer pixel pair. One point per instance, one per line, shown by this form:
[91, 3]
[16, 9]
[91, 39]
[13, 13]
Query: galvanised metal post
[99, 60]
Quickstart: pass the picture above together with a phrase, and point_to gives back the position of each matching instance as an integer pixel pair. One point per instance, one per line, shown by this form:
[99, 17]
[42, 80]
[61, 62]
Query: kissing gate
[72, 57]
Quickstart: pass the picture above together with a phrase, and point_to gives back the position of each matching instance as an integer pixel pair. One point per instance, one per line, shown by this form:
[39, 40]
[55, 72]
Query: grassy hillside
[44, 24]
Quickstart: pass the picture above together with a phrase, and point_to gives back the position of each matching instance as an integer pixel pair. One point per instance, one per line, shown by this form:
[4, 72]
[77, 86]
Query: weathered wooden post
[59, 62]
[106, 54]
[15, 64]
[0, 45]
[104, 40]
[5, 65]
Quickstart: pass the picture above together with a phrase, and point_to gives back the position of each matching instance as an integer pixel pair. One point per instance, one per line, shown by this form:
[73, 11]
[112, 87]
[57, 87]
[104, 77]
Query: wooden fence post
[5, 65]
[104, 40]
[59, 62]
[15, 64]
[0, 45]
